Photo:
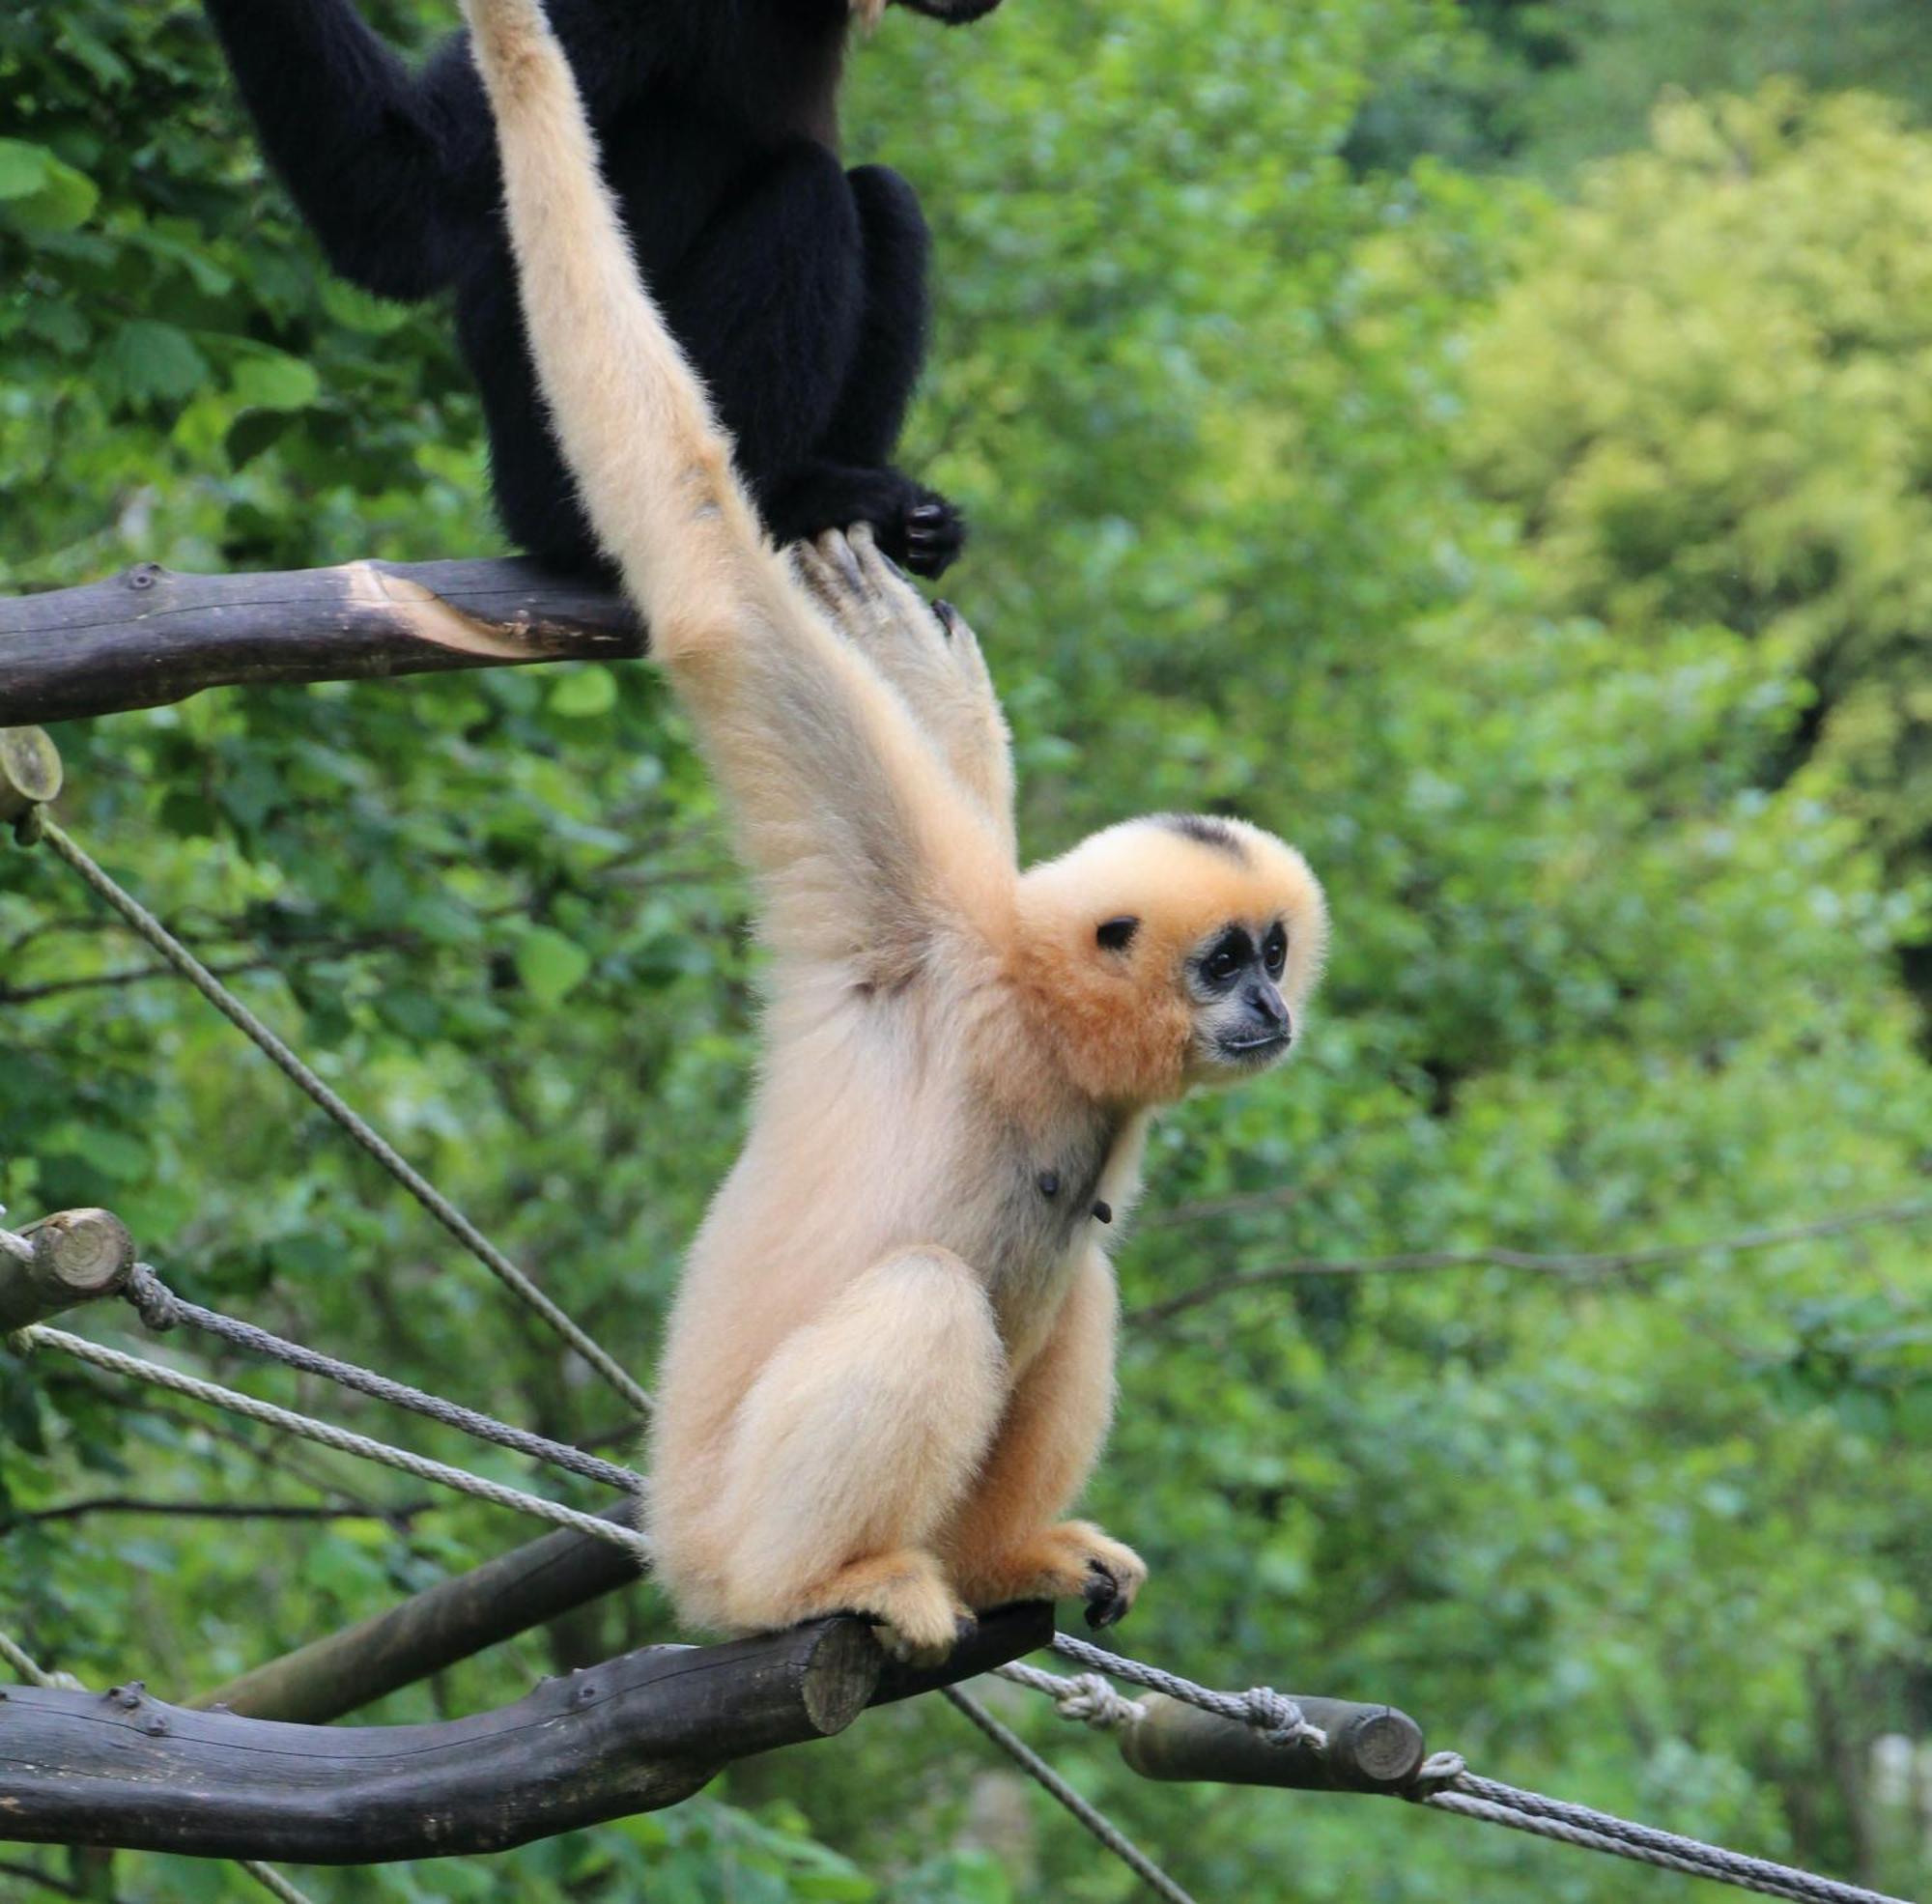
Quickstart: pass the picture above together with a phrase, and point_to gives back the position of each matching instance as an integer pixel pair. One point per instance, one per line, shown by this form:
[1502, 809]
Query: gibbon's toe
[928, 537]
[1106, 1605]
[1074, 1561]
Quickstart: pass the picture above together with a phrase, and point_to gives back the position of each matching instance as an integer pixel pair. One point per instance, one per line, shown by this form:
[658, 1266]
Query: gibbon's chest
[1051, 1195]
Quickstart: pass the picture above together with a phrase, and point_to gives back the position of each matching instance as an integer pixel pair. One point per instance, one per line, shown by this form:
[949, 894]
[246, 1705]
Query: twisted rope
[1036, 1768]
[1273, 1715]
[1445, 1784]
[39, 1335]
[1086, 1699]
[157, 936]
[266, 1875]
[161, 1309]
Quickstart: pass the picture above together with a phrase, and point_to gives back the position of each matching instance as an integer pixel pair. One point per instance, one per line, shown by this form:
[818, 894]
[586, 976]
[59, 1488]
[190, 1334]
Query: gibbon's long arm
[354, 133]
[864, 842]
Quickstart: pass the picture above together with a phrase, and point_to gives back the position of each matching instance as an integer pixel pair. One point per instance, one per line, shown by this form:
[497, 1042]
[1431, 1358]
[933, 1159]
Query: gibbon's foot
[1072, 1561]
[934, 534]
[916, 526]
[904, 1594]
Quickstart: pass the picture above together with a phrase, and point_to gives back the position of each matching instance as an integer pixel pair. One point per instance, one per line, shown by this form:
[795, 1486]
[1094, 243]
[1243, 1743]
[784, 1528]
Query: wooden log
[634, 1734]
[150, 636]
[1370, 1749]
[430, 1631]
[72, 1257]
[30, 771]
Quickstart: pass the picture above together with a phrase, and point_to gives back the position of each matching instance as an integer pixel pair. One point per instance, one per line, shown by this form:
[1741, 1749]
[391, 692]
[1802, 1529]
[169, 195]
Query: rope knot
[1278, 1719]
[1437, 1770]
[1089, 1698]
[153, 1302]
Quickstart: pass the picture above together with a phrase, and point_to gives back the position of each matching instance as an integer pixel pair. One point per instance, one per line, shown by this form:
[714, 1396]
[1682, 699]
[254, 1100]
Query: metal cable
[274, 1882]
[37, 1335]
[1445, 1785]
[35, 1674]
[157, 936]
[1036, 1768]
[161, 1309]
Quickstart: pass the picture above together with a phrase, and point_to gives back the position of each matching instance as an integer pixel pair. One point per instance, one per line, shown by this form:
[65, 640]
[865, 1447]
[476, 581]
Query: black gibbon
[890, 1366]
[797, 288]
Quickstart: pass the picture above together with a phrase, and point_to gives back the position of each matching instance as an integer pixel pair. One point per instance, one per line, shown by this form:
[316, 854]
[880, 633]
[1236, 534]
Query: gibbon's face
[1181, 950]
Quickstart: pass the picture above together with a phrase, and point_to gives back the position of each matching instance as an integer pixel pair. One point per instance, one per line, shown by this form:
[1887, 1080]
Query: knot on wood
[1279, 1720]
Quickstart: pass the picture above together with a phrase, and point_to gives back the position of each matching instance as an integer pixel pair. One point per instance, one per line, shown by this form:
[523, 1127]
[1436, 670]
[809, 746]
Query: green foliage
[1546, 87]
[1656, 1538]
[1709, 397]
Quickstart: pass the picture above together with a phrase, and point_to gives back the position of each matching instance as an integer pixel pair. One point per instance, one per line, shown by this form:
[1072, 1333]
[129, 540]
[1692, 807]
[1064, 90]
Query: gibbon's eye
[1228, 955]
[1116, 934]
[1274, 949]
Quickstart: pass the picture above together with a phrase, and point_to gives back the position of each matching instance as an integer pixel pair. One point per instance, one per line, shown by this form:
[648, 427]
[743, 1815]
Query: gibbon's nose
[1265, 1002]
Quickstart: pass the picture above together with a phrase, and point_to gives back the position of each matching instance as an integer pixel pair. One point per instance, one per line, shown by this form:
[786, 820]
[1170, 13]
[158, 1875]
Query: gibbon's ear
[1116, 934]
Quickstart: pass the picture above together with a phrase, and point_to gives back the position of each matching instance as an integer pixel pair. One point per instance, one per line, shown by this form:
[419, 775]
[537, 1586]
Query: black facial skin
[1232, 968]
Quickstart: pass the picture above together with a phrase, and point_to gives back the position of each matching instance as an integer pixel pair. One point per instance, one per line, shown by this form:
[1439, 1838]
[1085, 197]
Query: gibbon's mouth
[1251, 1050]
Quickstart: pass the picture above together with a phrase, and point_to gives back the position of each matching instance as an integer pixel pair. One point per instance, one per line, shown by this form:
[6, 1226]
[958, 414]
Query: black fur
[797, 288]
[1208, 830]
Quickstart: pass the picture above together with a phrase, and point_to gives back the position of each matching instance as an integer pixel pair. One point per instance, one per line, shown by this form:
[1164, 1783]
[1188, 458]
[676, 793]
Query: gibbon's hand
[927, 651]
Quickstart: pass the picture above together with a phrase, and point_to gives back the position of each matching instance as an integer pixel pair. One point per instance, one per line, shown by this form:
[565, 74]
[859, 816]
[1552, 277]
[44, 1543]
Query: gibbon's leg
[850, 478]
[926, 652]
[852, 1448]
[770, 297]
[536, 500]
[1002, 1544]
[355, 135]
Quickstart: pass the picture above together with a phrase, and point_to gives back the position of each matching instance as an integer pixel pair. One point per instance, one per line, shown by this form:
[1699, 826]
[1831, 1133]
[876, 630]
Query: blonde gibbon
[890, 1366]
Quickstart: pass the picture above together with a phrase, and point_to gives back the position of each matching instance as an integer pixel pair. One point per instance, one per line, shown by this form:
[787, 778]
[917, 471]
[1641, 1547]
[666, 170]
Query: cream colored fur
[889, 1368]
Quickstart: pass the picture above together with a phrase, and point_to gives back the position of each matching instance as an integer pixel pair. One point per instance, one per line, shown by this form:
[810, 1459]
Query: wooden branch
[634, 1734]
[1370, 1749]
[430, 1631]
[58, 1263]
[150, 636]
[1583, 1266]
[403, 1514]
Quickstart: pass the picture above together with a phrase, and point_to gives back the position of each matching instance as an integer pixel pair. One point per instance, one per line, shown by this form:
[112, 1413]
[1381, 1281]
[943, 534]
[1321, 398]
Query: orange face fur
[1135, 1022]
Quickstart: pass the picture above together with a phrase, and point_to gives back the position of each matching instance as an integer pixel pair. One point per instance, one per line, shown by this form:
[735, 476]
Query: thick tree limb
[638, 1732]
[148, 635]
[434, 1628]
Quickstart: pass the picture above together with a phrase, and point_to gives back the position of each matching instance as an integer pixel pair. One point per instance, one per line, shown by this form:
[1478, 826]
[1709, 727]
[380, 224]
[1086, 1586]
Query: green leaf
[585, 692]
[148, 359]
[24, 169]
[42, 192]
[272, 380]
[550, 965]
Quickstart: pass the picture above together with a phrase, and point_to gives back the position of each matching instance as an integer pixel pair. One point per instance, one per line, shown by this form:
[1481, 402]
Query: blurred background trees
[1538, 542]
